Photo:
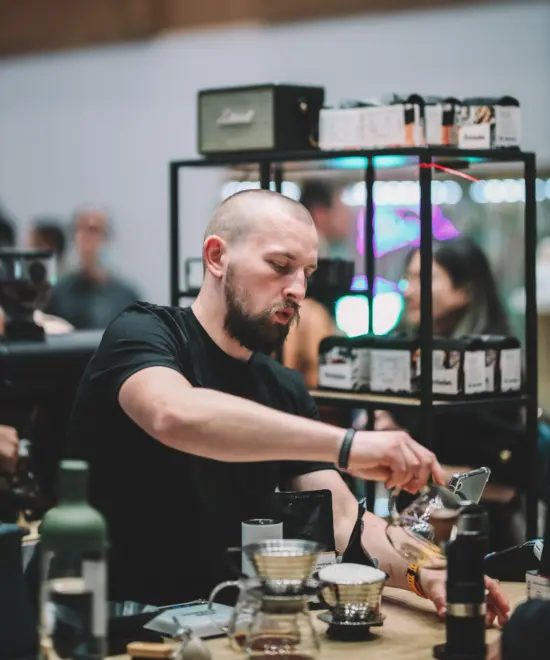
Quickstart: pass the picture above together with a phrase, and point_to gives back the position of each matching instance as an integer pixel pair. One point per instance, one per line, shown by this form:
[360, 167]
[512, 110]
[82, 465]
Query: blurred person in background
[333, 221]
[301, 348]
[52, 324]
[9, 439]
[332, 217]
[91, 296]
[466, 301]
[7, 231]
[48, 234]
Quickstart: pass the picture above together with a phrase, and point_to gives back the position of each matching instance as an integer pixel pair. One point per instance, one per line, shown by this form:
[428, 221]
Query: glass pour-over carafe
[243, 613]
[283, 568]
[420, 532]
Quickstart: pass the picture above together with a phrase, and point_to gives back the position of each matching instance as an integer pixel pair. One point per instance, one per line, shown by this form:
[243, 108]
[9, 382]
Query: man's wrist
[345, 449]
[414, 580]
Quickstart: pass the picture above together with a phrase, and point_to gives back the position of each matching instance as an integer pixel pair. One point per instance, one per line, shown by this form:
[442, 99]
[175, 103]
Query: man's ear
[214, 252]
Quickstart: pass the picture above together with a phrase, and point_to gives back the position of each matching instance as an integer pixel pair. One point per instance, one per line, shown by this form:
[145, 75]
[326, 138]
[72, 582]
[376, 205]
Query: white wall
[101, 125]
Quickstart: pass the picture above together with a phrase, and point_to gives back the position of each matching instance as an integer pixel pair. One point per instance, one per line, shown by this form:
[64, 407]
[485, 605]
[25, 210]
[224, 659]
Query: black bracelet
[345, 449]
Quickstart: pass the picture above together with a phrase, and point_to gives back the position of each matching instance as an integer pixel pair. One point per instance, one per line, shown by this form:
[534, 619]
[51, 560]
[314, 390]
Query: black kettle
[18, 618]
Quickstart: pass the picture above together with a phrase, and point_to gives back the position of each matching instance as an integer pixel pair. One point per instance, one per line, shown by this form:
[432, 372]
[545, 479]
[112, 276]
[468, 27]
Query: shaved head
[259, 250]
[243, 213]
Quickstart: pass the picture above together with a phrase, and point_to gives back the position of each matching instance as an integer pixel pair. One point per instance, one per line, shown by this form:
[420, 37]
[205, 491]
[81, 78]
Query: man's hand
[433, 584]
[9, 448]
[394, 458]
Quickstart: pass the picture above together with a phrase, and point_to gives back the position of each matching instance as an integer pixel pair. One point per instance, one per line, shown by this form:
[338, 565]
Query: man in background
[91, 296]
[7, 231]
[48, 234]
[332, 218]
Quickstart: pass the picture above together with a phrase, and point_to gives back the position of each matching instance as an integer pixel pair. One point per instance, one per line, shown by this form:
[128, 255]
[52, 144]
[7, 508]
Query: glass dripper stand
[283, 566]
[282, 626]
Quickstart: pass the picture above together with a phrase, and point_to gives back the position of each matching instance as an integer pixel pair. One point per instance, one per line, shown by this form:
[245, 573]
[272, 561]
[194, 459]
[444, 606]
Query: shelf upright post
[265, 174]
[531, 359]
[173, 182]
[426, 310]
[370, 274]
[368, 248]
[278, 178]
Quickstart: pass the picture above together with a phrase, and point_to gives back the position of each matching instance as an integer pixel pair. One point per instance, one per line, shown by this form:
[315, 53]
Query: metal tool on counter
[191, 648]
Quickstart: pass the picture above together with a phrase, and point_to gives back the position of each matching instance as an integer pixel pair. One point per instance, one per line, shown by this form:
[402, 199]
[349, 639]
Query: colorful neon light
[397, 228]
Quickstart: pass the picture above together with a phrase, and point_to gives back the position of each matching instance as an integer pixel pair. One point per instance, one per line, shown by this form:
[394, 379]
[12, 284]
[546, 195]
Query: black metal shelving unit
[271, 169]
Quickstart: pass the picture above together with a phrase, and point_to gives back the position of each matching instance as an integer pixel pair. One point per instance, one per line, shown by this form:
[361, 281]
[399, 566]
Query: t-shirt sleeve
[305, 407]
[137, 338]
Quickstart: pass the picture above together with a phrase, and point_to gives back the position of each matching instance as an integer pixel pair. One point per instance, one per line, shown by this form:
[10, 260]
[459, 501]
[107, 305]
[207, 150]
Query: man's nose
[295, 288]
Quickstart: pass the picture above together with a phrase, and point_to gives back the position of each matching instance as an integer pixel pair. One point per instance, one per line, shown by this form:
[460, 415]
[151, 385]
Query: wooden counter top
[408, 633]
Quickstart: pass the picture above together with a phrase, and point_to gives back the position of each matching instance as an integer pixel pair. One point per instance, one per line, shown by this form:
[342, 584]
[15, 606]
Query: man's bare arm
[378, 546]
[216, 425]
[221, 426]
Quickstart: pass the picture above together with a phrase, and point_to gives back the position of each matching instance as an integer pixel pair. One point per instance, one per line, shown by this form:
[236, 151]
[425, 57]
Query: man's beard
[258, 333]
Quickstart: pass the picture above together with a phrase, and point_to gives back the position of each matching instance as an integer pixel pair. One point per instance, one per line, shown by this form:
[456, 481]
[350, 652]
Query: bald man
[189, 426]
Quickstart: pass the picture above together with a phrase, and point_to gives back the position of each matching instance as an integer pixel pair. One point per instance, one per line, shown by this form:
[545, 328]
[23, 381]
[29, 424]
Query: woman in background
[466, 301]
[464, 292]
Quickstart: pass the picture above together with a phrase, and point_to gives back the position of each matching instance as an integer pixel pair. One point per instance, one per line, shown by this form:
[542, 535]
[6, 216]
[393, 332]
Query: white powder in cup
[351, 574]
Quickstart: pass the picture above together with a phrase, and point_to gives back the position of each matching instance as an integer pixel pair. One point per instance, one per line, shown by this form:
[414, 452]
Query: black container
[18, 617]
[465, 618]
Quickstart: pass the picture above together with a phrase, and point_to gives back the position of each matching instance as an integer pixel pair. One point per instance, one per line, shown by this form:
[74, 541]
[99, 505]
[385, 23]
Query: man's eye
[280, 268]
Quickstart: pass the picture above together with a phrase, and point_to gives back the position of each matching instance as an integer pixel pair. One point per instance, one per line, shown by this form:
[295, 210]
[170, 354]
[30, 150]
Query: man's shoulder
[141, 335]
[142, 317]
[145, 309]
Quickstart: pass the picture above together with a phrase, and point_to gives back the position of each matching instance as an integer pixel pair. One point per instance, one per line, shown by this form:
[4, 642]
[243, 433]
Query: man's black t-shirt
[172, 515]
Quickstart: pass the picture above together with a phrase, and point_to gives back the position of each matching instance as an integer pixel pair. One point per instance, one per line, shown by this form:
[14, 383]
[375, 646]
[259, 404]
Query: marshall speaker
[258, 118]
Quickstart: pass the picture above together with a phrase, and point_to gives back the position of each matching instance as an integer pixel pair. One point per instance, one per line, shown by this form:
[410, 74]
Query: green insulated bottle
[73, 600]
